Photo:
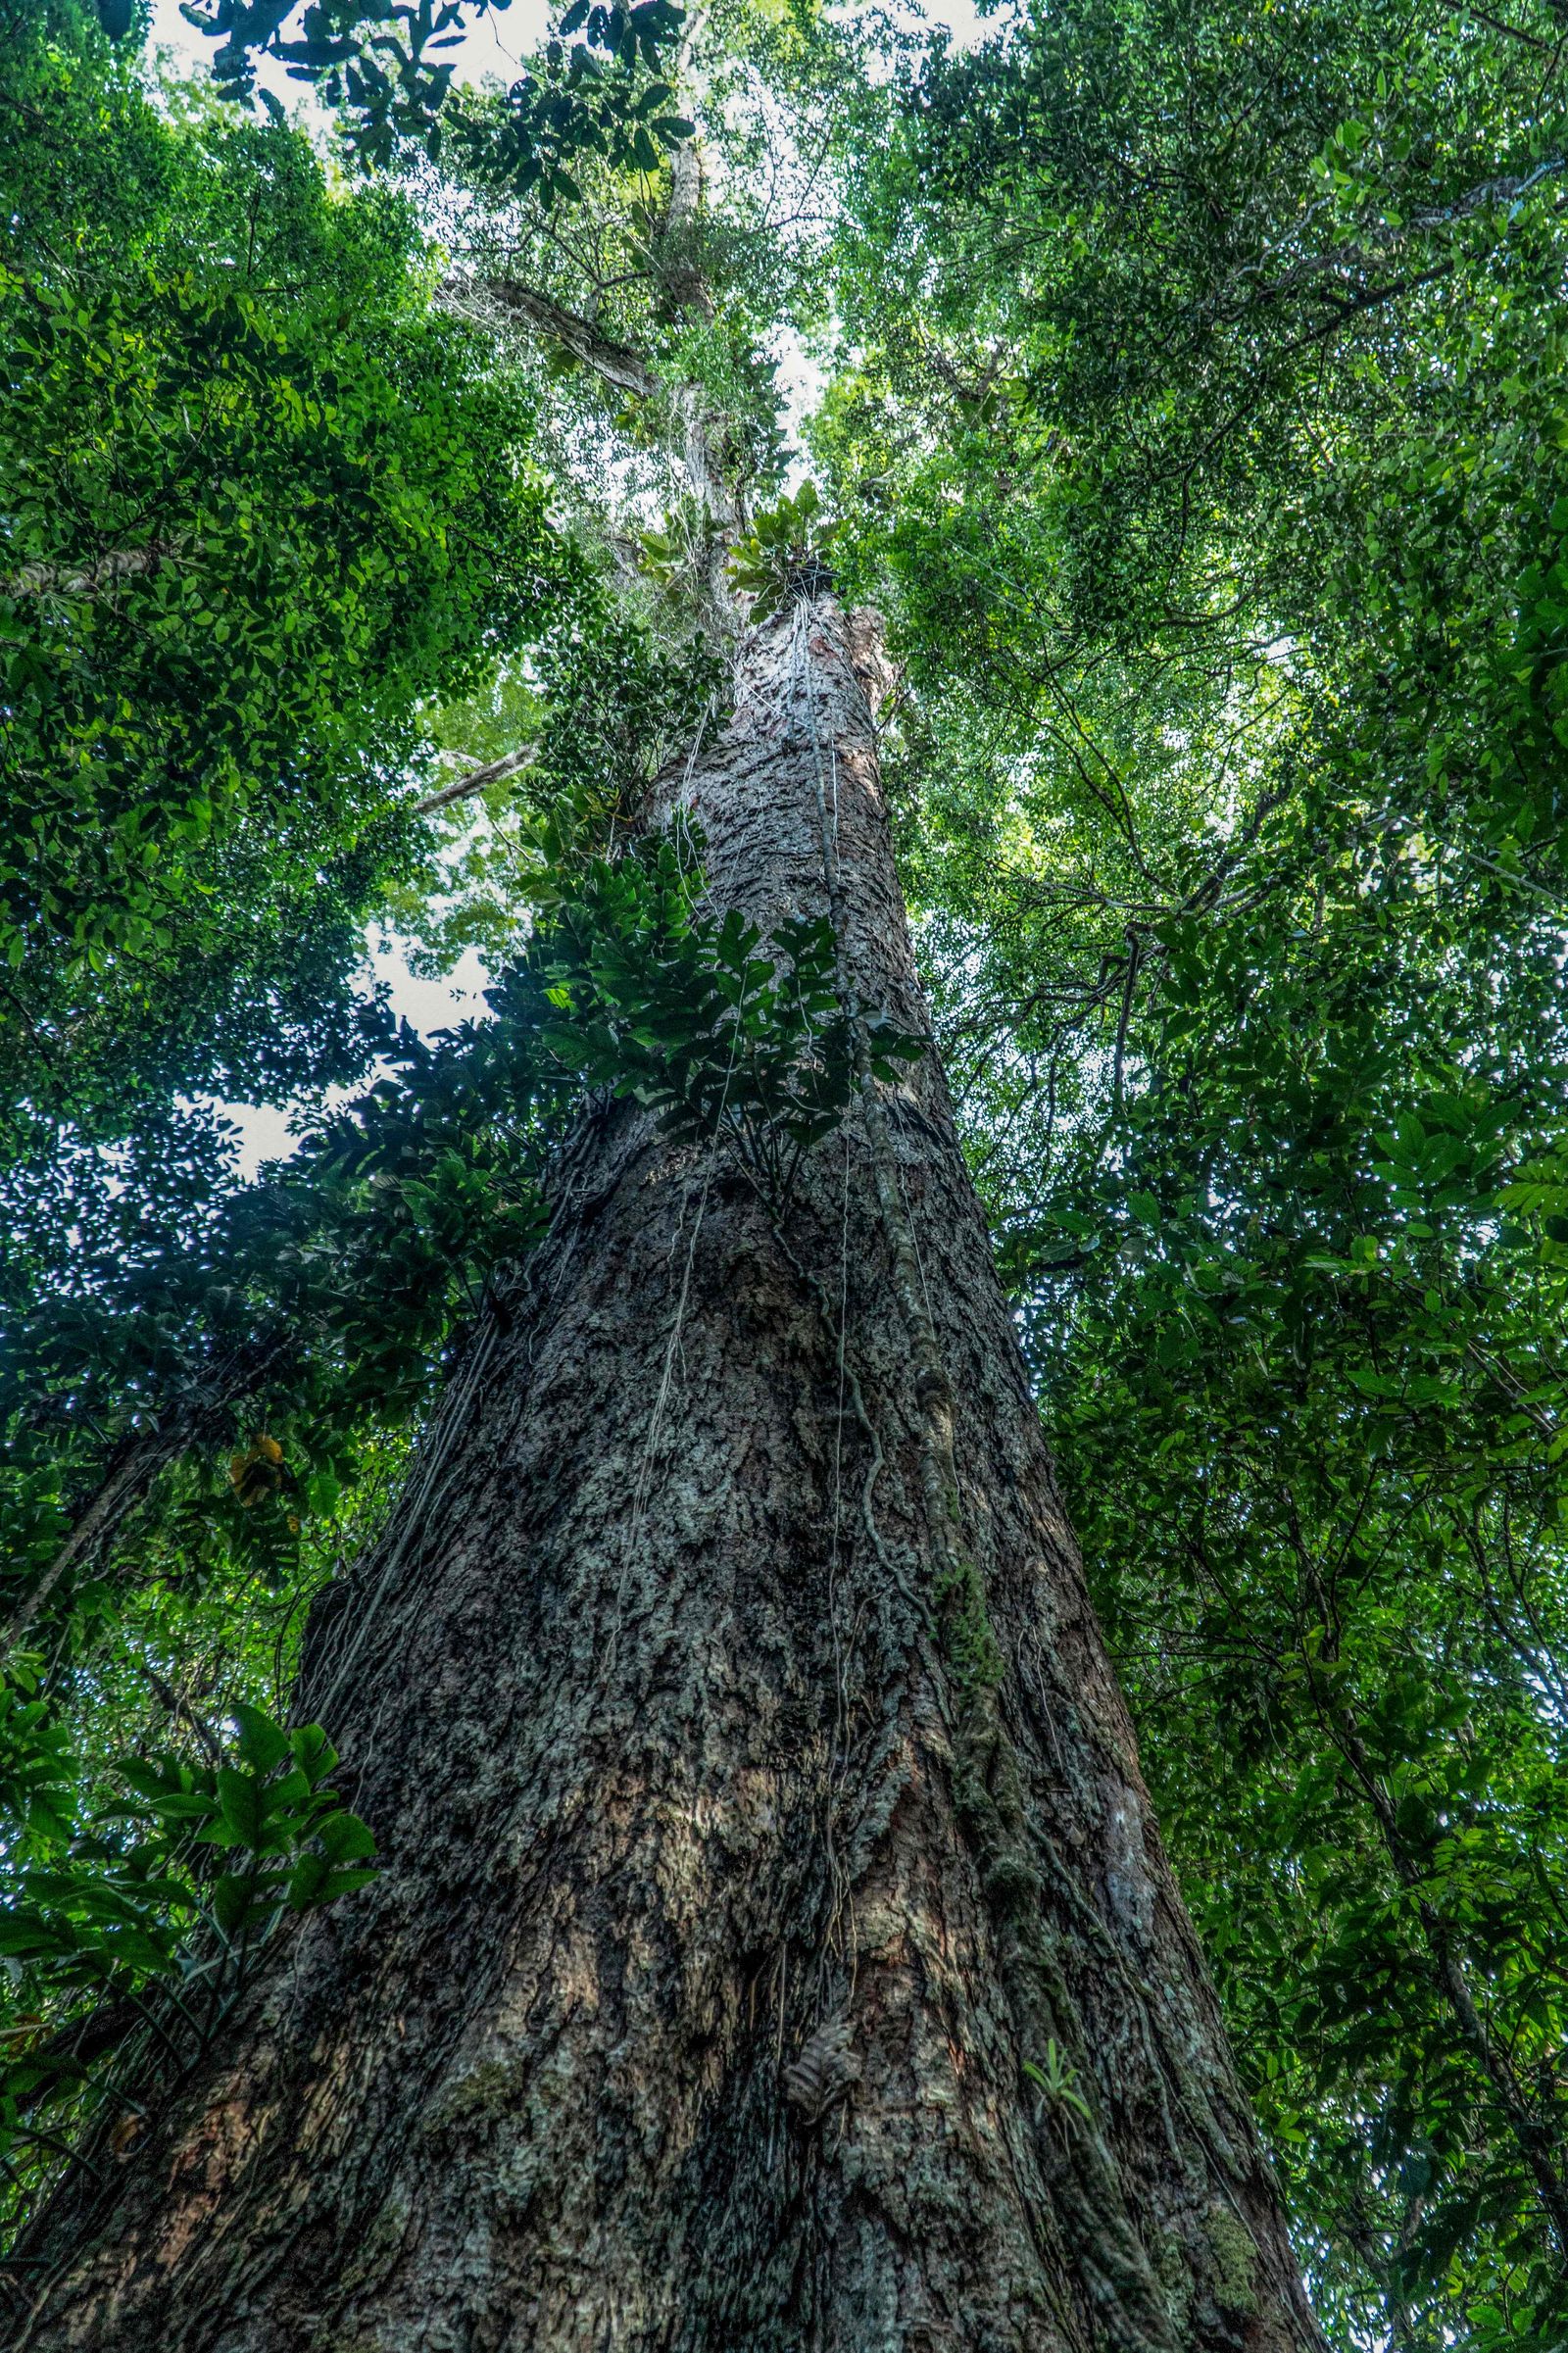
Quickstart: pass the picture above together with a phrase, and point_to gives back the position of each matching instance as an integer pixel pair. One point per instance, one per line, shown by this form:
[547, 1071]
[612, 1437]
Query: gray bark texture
[774, 1952]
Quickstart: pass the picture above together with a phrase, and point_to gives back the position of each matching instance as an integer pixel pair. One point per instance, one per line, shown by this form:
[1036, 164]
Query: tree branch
[180, 1708]
[86, 580]
[1513, 32]
[617, 362]
[1347, 297]
[475, 781]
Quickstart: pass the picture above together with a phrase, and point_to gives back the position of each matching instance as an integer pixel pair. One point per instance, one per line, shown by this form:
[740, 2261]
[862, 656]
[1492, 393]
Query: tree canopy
[1188, 392]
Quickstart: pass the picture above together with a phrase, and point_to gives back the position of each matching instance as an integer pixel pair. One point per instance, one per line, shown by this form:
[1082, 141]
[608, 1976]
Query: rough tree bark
[775, 1948]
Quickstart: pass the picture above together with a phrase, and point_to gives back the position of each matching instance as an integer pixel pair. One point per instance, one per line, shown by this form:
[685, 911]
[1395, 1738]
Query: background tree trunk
[752, 1967]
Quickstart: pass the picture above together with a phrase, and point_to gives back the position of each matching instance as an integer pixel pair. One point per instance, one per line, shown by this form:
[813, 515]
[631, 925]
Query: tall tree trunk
[775, 1948]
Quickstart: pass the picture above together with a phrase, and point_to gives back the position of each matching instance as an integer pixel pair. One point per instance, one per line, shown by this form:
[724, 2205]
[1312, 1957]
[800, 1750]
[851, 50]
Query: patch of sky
[265, 1132]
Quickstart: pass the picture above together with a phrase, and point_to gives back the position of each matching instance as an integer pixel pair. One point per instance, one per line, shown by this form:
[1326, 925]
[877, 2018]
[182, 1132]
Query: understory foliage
[1192, 402]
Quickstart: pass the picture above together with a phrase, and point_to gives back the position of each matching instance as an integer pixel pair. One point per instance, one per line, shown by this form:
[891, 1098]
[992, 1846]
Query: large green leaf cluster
[1303, 1359]
[136, 1944]
[260, 505]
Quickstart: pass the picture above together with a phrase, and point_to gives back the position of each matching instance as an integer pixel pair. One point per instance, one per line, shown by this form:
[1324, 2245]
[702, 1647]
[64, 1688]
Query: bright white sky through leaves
[493, 46]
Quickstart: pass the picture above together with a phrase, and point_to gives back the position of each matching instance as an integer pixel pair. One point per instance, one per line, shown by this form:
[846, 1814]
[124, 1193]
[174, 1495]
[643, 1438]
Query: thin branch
[180, 1708]
[510, 764]
[86, 580]
[617, 362]
[1129, 985]
[1513, 32]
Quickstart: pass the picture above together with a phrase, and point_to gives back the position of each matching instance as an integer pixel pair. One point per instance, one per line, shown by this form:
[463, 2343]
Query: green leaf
[262, 1742]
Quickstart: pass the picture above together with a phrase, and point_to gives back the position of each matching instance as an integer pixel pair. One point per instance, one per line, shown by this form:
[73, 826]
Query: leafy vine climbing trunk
[774, 1949]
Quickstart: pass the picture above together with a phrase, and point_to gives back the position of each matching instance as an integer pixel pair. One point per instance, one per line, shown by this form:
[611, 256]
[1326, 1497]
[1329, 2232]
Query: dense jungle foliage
[1188, 389]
